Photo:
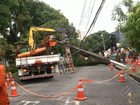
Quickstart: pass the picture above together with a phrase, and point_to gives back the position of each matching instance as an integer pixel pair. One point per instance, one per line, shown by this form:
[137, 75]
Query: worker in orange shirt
[4, 99]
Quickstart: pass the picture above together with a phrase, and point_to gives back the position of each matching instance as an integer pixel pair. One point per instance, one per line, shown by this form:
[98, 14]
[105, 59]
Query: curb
[135, 77]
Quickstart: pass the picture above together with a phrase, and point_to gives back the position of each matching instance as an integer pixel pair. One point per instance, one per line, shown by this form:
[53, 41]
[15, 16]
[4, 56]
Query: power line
[94, 20]
[96, 16]
[83, 12]
[90, 12]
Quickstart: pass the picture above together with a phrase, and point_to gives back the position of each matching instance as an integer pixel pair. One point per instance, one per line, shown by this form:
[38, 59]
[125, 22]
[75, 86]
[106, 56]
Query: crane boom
[31, 39]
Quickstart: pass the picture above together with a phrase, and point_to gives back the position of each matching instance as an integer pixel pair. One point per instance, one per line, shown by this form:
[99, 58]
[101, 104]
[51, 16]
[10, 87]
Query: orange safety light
[52, 43]
[24, 70]
[52, 67]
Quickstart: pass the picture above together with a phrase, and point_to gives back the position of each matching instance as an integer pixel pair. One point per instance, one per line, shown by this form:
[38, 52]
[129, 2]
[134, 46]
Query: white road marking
[28, 102]
[77, 102]
[67, 101]
[21, 102]
[60, 98]
[73, 101]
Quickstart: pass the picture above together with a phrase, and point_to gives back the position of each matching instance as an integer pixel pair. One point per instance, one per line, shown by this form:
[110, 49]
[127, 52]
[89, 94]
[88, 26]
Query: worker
[4, 99]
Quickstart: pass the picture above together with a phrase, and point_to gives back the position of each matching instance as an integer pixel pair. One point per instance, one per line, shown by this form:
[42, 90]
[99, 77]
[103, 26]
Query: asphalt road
[103, 90]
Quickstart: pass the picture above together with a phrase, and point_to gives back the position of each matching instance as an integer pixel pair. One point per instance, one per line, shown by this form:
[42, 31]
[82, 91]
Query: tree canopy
[129, 22]
[132, 27]
[18, 15]
[94, 42]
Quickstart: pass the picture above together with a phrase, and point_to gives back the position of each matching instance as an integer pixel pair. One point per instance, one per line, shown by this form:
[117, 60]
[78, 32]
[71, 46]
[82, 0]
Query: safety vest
[4, 100]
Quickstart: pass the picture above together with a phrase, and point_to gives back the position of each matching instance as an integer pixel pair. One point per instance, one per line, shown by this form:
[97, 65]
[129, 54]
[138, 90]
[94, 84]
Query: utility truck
[33, 62]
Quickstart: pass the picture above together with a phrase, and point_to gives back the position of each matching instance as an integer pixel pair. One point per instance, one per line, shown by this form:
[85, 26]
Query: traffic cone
[80, 93]
[13, 89]
[133, 69]
[10, 77]
[111, 66]
[7, 80]
[121, 79]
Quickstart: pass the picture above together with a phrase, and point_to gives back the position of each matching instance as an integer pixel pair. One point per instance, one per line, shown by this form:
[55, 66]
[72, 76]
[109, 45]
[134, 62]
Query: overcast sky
[72, 10]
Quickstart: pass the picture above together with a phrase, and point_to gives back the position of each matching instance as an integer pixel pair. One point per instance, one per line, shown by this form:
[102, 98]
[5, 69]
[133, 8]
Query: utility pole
[103, 42]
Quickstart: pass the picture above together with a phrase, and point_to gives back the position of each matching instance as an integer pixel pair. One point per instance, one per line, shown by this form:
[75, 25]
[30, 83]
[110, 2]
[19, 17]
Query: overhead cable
[96, 16]
[94, 20]
[90, 13]
[83, 13]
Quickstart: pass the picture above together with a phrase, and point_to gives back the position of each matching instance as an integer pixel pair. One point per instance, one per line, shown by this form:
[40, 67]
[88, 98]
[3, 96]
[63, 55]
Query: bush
[12, 68]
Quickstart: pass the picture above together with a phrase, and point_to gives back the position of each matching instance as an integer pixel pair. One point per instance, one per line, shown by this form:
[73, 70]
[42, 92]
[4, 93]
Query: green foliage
[12, 68]
[19, 15]
[80, 60]
[129, 22]
[3, 46]
[119, 14]
[5, 14]
[128, 4]
[94, 42]
[132, 28]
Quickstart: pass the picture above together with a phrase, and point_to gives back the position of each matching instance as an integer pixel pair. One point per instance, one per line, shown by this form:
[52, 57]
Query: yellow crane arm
[31, 39]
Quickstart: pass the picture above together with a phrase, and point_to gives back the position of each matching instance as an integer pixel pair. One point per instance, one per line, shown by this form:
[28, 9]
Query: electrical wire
[87, 12]
[94, 20]
[96, 16]
[97, 46]
[90, 13]
[83, 13]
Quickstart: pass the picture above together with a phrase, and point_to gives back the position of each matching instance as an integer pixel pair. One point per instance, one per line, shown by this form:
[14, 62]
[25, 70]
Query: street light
[103, 42]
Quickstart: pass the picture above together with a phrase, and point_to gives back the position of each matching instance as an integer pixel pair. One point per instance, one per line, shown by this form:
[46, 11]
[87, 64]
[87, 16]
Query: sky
[72, 10]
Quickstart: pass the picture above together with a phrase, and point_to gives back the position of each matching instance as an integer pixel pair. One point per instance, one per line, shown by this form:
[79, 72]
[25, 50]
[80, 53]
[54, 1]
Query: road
[103, 90]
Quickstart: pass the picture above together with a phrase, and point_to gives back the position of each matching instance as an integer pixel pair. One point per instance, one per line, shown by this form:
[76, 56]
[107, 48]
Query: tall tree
[120, 14]
[19, 15]
[132, 27]
[6, 7]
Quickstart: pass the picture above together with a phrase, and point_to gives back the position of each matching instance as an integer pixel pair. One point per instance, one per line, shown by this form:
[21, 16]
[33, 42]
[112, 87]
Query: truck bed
[31, 60]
